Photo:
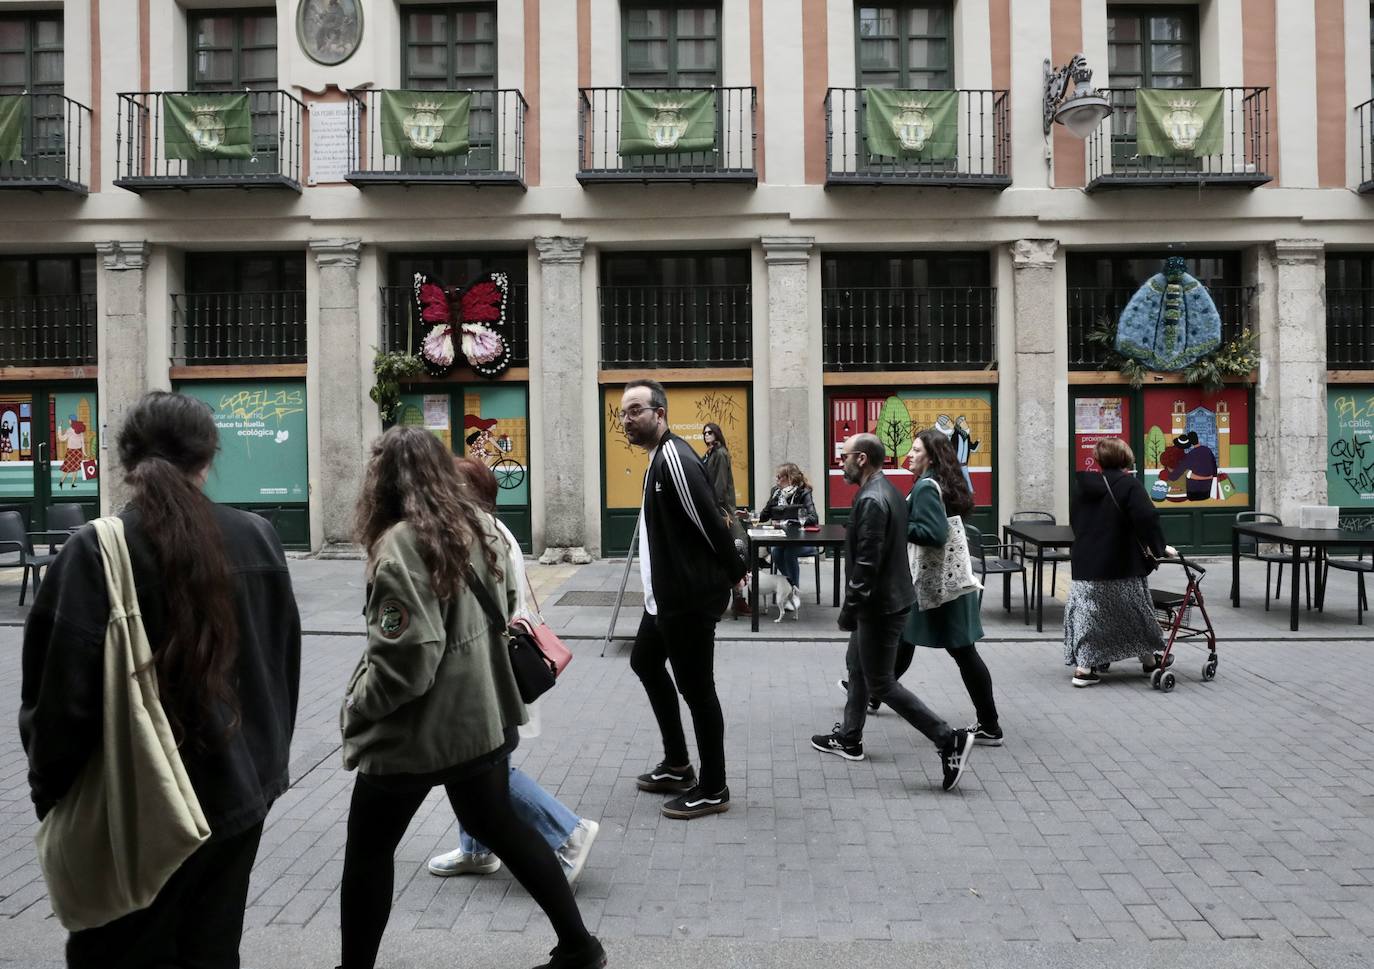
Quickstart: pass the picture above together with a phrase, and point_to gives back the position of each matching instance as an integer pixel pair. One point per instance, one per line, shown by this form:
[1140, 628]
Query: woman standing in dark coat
[721, 474]
[1110, 615]
[940, 491]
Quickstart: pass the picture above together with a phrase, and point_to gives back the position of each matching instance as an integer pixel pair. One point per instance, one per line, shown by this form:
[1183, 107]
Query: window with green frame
[449, 48]
[31, 60]
[904, 45]
[670, 45]
[236, 50]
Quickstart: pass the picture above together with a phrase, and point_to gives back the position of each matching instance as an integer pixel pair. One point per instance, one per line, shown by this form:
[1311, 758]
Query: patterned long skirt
[1107, 620]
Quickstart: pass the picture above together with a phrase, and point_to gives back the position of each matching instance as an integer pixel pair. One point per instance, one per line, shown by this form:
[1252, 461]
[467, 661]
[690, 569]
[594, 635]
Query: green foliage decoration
[390, 369]
[1234, 358]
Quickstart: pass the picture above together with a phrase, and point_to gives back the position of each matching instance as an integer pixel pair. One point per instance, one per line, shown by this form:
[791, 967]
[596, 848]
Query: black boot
[590, 956]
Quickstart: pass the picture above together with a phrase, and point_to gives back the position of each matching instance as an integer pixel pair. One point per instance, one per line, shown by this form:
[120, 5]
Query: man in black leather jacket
[878, 597]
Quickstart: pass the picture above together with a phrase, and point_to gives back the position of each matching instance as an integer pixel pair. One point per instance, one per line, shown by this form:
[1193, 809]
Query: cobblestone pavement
[1226, 824]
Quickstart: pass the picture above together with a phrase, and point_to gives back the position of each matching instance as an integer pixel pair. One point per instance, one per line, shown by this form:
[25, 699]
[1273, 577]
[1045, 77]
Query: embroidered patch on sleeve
[394, 619]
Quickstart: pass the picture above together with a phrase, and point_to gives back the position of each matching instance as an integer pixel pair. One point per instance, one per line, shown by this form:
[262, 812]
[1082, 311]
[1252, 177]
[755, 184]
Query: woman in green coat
[940, 492]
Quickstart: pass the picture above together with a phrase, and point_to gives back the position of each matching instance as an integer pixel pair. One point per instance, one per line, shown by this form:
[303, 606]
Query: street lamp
[1080, 111]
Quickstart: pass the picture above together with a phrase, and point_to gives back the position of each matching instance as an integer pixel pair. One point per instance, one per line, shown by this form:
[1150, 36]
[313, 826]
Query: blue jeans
[786, 560]
[536, 807]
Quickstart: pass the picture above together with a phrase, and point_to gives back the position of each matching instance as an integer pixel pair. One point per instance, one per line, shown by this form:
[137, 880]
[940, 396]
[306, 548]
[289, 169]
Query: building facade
[785, 270]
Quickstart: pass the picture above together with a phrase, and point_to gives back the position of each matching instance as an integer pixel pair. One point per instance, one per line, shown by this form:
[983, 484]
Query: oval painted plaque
[329, 31]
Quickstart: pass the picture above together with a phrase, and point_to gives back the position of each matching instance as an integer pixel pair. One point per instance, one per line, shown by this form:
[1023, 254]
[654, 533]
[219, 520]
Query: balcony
[218, 329]
[676, 326]
[1241, 160]
[978, 155]
[54, 140]
[729, 157]
[1088, 305]
[898, 328]
[1364, 115]
[47, 331]
[495, 153]
[403, 331]
[146, 161]
[1350, 329]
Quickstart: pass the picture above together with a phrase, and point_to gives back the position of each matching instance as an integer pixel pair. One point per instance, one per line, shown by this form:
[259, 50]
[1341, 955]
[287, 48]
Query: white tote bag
[942, 573]
[130, 820]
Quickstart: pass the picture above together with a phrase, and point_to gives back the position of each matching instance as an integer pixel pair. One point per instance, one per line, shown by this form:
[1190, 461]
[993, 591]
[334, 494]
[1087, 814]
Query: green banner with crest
[1178, 123]
[666, 122]
[14, 116]
[921, 125]
[205, 126]
[425, 124]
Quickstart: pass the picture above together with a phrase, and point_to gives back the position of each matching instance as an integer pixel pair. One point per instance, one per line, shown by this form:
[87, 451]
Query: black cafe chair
[1250, 548]
[1004, 562]
[15, 541]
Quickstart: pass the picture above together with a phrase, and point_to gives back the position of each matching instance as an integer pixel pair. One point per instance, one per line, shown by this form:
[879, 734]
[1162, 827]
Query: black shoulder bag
[534, 672]
[1151, 559]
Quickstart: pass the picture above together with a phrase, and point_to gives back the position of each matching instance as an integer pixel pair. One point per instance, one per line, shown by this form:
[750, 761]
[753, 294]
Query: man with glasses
[688, 565]
[878, 597]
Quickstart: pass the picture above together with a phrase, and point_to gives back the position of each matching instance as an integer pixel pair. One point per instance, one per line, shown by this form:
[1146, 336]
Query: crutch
[624, 578]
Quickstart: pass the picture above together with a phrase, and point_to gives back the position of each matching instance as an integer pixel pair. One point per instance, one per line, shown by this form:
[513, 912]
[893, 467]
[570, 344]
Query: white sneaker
[572, 854]
[461, 862]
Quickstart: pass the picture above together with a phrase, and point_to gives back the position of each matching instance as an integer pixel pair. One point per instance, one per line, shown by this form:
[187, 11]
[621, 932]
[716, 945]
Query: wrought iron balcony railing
[496, 139]
[1090, 305]
[1114, 160]
[980, 158]
[234, 328]
[402, 329]
[1364, 117]
[910, 328]
[47, 331]
[730, 159]
[676, 326]
[54, 145]
[1349, 328]
[142, 161]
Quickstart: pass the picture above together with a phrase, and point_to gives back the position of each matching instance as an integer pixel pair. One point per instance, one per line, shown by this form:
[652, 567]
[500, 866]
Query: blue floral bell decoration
[1170, 322]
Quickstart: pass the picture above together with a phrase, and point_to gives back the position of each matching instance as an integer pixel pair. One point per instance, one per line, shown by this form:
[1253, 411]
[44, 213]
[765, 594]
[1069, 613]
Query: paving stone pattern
[1236, 813]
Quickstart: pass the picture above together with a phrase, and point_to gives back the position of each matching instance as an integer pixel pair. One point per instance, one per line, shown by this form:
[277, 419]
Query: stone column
[1033, 297]
[561, 377]
[1291, 420]
[122, 353]
[793, 371]
[341, 398]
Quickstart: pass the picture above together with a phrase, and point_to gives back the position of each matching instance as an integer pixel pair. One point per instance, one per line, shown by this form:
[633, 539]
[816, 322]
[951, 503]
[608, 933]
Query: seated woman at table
[1110, 615]
[791, 499]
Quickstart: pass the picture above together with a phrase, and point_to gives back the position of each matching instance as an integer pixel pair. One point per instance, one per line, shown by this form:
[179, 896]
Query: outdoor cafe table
[829, 536]
[1043, 536]
[1317, 539]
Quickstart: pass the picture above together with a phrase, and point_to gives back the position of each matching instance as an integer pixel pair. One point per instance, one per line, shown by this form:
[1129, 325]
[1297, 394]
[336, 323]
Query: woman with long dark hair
[720, 473]
[216, 602]
[433, 701]
[954, 626]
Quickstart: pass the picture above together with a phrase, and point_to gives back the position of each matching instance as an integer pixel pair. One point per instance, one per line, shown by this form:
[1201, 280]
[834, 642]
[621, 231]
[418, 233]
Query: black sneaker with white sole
[873, 702]
[833, 743]
[986, 736]
[1085, 679]
[667, 780]
[697, 803]
[954, 758]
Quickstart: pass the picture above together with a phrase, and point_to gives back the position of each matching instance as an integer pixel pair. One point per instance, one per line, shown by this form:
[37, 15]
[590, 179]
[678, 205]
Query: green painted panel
[1350, 446]
[263, 441]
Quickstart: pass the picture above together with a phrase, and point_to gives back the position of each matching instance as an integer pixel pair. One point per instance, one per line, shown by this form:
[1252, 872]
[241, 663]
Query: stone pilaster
[343, 450]
[561, 377]
[122, 352]
[794, 385]
[1033, 265]
[1291, 420]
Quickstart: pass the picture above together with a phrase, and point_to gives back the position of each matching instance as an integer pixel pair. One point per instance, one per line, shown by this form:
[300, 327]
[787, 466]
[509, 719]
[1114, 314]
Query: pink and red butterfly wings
[464, 319]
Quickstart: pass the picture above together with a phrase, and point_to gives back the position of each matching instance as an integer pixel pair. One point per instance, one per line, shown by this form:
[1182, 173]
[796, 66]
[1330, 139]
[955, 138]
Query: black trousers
[381, 810]
[973, 671]
[689, 643]
[871, 661]
[195, 922]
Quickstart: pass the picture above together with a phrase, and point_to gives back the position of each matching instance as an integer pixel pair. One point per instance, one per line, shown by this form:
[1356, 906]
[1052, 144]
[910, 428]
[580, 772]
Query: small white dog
[784, 594]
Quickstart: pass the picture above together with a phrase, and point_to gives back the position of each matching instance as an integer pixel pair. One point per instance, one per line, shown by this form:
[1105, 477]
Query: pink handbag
[545, 639]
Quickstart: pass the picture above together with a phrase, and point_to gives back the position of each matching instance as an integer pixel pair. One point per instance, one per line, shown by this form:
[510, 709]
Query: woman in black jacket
[720, 473]
[792, 499]
[217, 604]
[1110, 615]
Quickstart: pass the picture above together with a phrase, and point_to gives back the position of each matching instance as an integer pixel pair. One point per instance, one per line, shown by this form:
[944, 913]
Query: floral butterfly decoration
[464, 318]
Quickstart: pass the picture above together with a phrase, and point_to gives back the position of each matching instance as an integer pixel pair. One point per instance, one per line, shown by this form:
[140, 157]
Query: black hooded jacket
[1107, 538]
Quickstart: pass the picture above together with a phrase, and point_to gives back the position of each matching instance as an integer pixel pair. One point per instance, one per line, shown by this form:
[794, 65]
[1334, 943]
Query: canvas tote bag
[112, 842]
[942, 573]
